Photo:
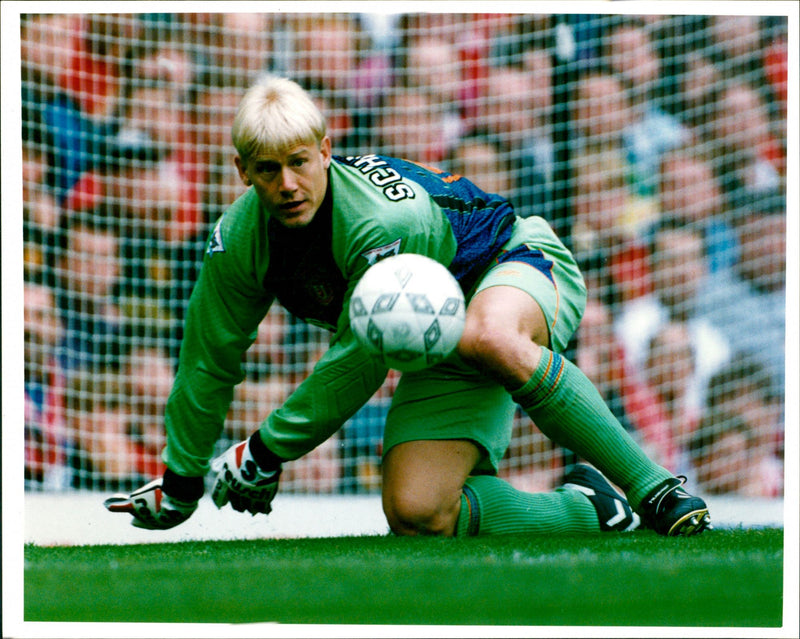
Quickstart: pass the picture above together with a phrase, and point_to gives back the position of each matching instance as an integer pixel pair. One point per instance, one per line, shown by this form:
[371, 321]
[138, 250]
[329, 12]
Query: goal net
[655, 146]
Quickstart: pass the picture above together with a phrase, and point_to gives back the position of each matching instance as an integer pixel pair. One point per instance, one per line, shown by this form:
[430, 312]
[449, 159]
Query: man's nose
[288, 181]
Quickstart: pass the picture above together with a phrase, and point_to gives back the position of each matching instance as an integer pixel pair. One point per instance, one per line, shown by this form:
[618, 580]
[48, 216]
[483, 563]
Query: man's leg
[427, 490]
[560, 399]
[504, 337]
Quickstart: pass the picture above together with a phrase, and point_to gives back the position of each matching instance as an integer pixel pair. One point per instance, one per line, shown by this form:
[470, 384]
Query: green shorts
[453, 400]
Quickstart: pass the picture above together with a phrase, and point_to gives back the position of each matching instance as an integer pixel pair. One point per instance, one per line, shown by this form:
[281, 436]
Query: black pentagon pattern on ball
[375, 335]
[420, 303]
[385, 303]
[432, 335]
[450, 306]
[357, 308]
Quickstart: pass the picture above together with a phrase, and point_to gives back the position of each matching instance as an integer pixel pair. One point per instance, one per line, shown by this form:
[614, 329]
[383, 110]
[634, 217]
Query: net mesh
[655, 145]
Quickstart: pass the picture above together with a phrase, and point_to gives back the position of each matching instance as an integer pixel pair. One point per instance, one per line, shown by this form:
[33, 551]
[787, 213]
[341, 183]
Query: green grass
[730, 578]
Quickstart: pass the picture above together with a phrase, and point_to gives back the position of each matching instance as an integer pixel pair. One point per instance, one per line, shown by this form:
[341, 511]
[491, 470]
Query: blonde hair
[275, 114]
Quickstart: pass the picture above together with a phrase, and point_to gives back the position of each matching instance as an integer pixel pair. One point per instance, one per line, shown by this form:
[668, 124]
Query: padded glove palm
[151, 507]
[241, 481]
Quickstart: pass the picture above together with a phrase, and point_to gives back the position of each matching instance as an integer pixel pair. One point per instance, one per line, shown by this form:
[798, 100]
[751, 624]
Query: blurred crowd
[656, 145]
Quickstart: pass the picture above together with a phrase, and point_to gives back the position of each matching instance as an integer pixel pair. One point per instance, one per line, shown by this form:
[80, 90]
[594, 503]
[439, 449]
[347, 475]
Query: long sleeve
[225, 309]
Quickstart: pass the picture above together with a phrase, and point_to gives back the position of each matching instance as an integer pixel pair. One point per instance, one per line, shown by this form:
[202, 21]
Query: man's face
[679, 266]
[91, 266]
[42, 328]
[603, 112]
[291, 184]
[689, 189]
[762, 246]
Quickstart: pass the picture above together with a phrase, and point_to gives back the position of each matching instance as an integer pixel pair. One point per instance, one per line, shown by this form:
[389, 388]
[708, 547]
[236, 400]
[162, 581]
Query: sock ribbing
[543, 382]
[492, 506]
[468, 524]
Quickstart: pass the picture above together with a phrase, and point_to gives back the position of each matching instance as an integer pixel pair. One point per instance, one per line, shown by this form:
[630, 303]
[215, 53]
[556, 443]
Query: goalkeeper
[303, 234]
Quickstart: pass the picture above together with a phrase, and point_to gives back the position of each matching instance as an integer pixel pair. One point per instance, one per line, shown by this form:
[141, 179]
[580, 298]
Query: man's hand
[241, 482]
[151, 507]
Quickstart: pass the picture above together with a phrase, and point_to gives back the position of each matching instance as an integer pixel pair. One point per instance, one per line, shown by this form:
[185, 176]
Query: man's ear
[242, 173]
[325, 149]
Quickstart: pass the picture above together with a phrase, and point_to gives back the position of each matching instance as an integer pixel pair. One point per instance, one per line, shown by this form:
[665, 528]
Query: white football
[408, 310]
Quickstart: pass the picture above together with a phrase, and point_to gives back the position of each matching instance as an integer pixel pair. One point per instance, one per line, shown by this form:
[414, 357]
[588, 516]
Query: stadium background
[656, 145]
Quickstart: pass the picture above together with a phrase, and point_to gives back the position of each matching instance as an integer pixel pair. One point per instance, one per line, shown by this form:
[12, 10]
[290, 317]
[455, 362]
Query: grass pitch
[726, 578]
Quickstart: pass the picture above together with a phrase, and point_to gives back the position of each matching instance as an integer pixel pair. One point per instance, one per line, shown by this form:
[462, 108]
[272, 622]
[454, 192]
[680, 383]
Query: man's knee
[499, 351]
[502, 334]
[422, 484]
[483, 340]
[409, 514]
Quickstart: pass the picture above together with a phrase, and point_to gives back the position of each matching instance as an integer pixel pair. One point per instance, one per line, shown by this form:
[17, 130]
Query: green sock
[491, 506]
[568, 409]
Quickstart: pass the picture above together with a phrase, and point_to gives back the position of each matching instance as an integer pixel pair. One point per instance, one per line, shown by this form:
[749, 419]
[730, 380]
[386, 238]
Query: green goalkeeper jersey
[375, 207]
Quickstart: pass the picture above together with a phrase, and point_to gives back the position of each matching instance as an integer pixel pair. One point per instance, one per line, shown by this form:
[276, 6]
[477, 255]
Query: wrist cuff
[265, 458]
[187, 489]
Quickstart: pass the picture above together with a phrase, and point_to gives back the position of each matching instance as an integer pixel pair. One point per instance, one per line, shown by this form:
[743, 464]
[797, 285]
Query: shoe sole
[692, 523]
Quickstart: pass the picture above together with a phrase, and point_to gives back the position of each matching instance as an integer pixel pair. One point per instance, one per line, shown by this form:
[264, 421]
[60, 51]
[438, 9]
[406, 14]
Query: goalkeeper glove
[242, 482]
[151, 507]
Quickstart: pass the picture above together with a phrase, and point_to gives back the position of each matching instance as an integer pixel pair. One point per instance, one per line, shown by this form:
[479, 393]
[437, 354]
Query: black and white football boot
[613, 511]
[670, 510]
